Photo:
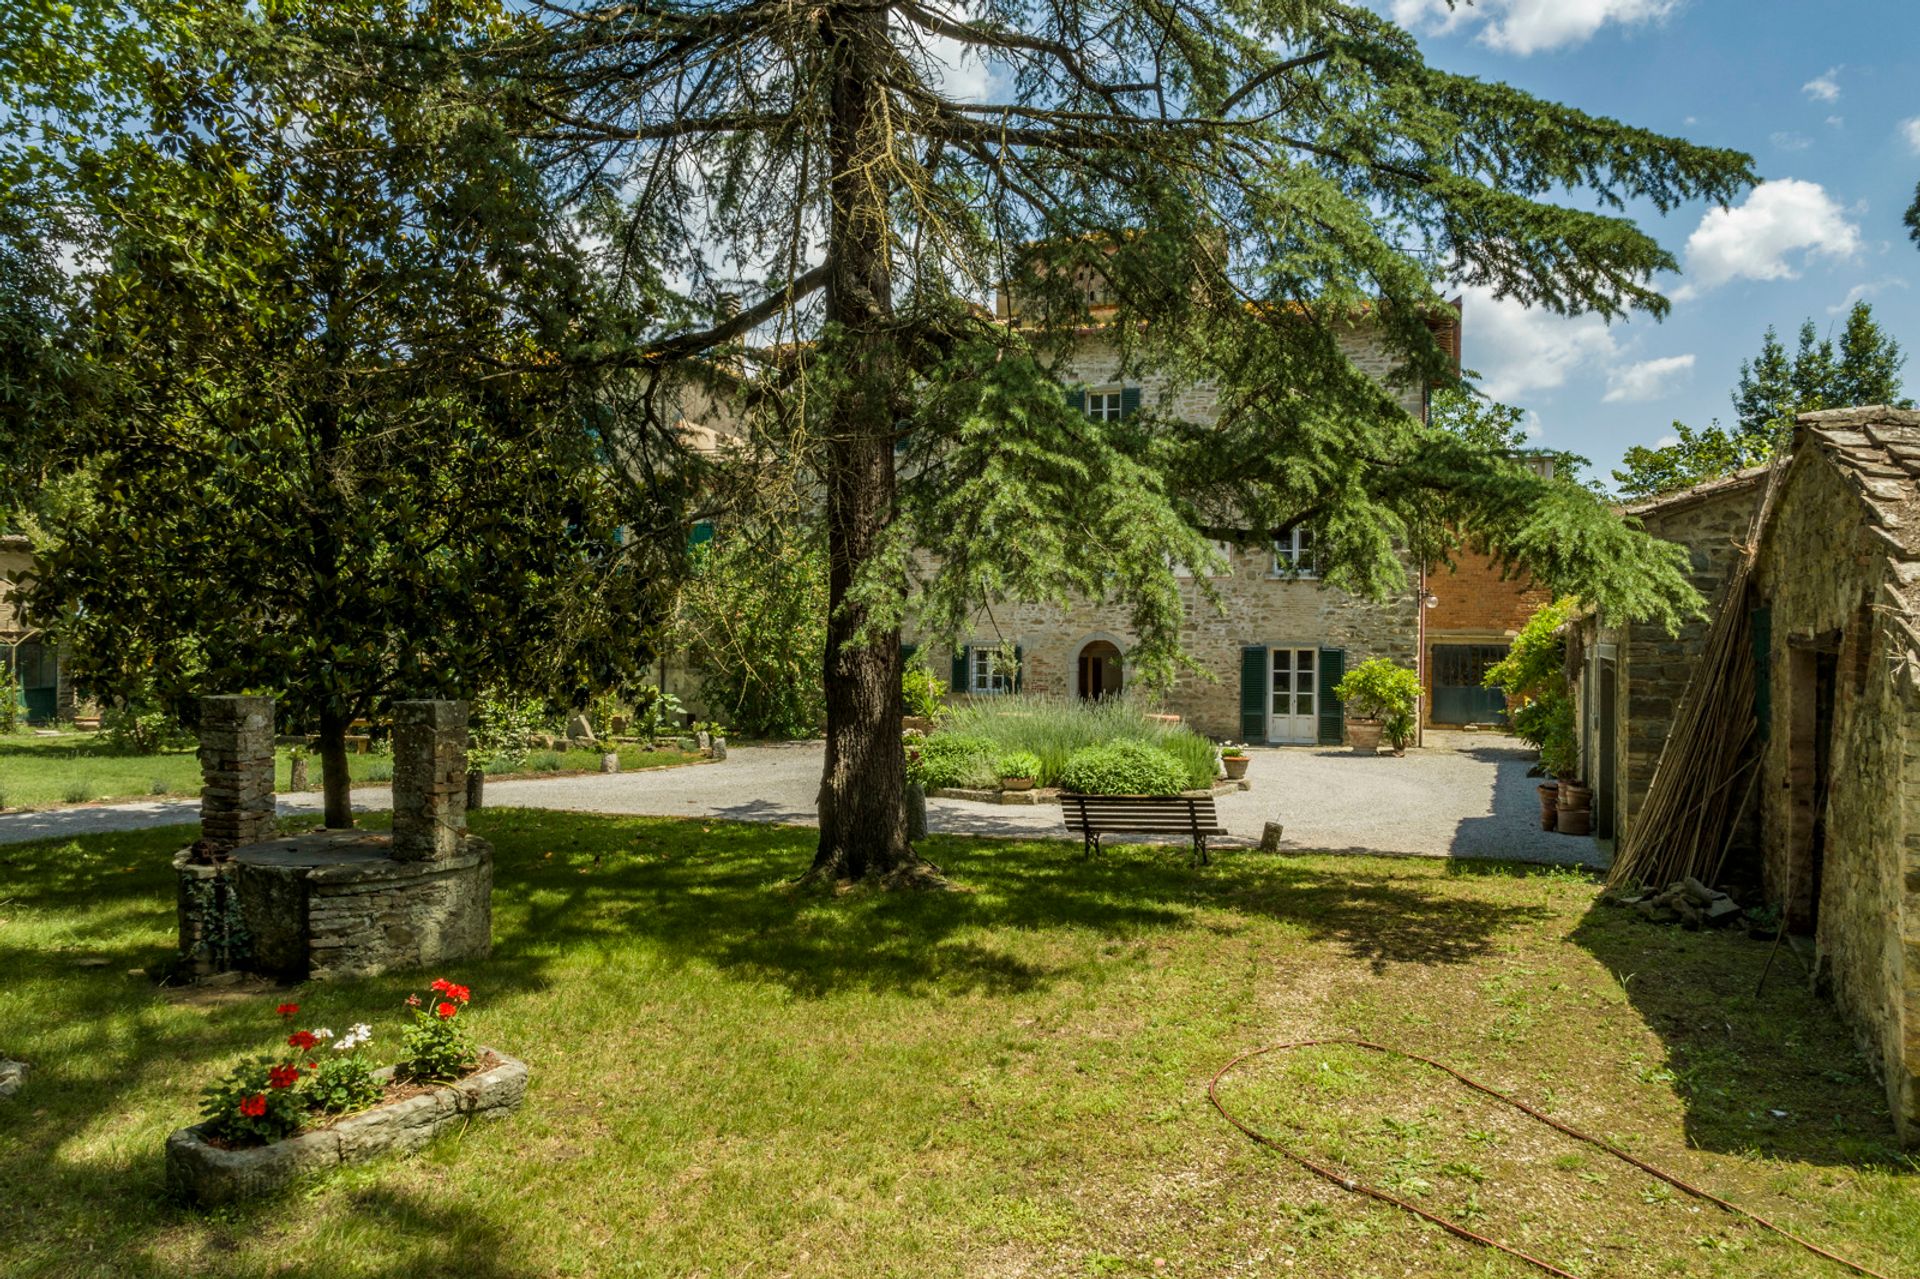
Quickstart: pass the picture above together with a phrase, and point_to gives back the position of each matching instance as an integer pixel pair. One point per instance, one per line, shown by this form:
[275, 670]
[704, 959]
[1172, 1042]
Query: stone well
[333, 903]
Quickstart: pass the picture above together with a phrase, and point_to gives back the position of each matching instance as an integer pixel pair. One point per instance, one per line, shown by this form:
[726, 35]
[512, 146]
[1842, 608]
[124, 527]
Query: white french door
[1292, 716]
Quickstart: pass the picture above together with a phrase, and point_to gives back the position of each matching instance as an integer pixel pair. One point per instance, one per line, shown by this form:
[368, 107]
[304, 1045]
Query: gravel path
[1461, 795]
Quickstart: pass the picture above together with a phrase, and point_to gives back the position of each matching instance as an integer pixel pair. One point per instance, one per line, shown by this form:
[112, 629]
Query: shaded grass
[731, 1078]
[39, 771]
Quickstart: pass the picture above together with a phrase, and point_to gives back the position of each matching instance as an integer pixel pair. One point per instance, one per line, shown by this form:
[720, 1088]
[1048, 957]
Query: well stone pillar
[236, 769]
[429, 779]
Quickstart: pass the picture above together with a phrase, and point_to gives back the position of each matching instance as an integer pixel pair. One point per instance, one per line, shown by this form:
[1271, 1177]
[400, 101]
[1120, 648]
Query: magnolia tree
[1236, 183]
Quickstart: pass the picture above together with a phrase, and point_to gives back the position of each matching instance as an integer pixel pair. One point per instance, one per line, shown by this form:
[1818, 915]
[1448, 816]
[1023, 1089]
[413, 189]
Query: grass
[1052, 728]
[733, 1079]
[75, 767]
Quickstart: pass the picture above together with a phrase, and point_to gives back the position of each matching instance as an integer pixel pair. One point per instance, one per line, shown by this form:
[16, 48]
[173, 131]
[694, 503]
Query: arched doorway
[1100, 670]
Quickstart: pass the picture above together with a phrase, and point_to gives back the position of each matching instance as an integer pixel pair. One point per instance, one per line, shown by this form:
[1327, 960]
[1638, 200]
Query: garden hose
[1455, 1228]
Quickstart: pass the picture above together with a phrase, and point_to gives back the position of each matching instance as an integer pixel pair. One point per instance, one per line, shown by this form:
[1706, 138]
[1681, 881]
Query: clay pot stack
[1575, 809]
[1549, 805]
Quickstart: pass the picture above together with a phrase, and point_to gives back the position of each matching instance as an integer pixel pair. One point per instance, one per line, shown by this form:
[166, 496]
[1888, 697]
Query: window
[1293, 553]
[987, 672]
[1105, 406]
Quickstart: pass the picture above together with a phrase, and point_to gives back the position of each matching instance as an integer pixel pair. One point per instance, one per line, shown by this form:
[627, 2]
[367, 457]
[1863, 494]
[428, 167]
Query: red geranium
[287, 1010]
[303, 1039]
[255, 1106]
[440, 984]
[283, 1076]
[457, 993]
[446, 1010]
[413, 1001]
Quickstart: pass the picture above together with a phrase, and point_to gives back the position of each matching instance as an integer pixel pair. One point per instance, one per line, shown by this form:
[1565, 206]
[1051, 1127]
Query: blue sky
[1825, 96]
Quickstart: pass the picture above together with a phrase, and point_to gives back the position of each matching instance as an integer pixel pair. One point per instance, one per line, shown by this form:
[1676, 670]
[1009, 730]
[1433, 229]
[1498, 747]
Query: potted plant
[1234, 758]
[318, 1101]
[1381, 698]
[1017, 770]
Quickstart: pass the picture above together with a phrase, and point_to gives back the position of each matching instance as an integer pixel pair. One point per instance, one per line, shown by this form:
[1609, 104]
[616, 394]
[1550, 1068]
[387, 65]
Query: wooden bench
[1096, 815]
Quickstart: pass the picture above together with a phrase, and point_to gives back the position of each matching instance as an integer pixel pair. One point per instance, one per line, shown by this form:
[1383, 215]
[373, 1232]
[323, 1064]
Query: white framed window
[1104, 406]
[987, 671]
[1293, 553]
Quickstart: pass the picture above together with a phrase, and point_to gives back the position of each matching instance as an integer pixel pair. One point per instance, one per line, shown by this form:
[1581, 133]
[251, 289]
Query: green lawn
[730, 1079]
[39, 771]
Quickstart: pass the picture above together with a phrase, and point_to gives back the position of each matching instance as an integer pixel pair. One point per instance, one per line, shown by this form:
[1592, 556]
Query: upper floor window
[1293, 553]
[1104, 406]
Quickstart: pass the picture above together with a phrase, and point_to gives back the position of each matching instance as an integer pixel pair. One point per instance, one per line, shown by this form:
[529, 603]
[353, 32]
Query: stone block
[429, 779]
[13, 1075]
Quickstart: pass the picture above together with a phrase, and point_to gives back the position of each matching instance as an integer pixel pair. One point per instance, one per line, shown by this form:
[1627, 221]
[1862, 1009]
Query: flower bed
[1111, 742]
[281, 1115]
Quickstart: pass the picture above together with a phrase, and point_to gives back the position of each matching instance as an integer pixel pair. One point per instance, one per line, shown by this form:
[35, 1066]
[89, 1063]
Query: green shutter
[1333, 716]
[1129, 401]
[959, 682]
[906, 655]
[1760, 622]
[1253, 693]
[1077, 400]
[1019, 667]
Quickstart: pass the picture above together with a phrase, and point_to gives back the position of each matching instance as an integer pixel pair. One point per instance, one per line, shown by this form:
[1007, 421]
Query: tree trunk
[863, 826]
[335, 785]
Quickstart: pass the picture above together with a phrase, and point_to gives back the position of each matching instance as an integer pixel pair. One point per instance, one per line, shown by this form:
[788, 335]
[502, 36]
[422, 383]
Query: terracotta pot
[1574, 796]
[1016, 783]
[1549, 804]
[1575, 821]
[1236, 766]
[1364, 736]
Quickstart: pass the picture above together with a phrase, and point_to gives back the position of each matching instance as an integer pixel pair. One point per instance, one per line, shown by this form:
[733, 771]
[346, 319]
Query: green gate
[1459, 696]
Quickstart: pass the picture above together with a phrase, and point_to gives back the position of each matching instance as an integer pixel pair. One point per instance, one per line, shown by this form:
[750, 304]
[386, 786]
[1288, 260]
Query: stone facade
[1836, 604]
[236, 766]
[1263, 605]
[338, 903]
[1476, 607]
[1633, 674]
[39, 664]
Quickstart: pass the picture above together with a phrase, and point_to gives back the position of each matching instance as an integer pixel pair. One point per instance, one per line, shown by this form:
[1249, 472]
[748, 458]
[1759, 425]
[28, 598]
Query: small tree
[1533, 674]
[1383, 690]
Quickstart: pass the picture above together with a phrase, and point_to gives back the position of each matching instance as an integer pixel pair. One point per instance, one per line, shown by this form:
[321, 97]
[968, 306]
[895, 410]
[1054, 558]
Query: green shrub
[504, 726]
[77, 792]
[1018, 764]
[1380, 689]
[956, 759]
[1052, 728]
[546, 761]
[922, 693]
[1199, 761]
[11, 703]
[159, 786]
[141, 728]
[378, 769]
[1123, 768]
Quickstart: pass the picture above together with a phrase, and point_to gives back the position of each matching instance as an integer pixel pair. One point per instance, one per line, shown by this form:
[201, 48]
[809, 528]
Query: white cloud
[1666, 441]
[963, 74]
[1837, 121]
[1533, 427]
[1910, 130]
[1824, 87]
[1518, 350]
[1789, 141]
[1760, 239]
[1866, 290]
[1647, 380]
[1529, 26]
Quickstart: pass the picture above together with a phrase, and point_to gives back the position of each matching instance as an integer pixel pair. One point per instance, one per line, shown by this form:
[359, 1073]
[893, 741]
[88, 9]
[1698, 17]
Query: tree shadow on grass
[710, 892]
[1775, 1072]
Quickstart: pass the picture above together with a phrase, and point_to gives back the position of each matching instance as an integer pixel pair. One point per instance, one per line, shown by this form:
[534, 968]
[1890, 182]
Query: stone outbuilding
[1631, 675]
[1836, 630]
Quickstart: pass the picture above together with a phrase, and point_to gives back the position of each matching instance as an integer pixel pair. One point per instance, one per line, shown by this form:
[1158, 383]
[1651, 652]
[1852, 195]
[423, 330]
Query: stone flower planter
[1236, 766]
[205, 1174]
[1016, 783]
[1364, 736]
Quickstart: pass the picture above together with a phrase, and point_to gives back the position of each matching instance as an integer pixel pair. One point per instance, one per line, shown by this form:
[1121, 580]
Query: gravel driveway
[1461, 795]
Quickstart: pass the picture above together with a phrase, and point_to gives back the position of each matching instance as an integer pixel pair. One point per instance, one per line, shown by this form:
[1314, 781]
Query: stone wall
[368, 918]
[236, 767]
[429, 779]
[1827, 585]
[1652, 668]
